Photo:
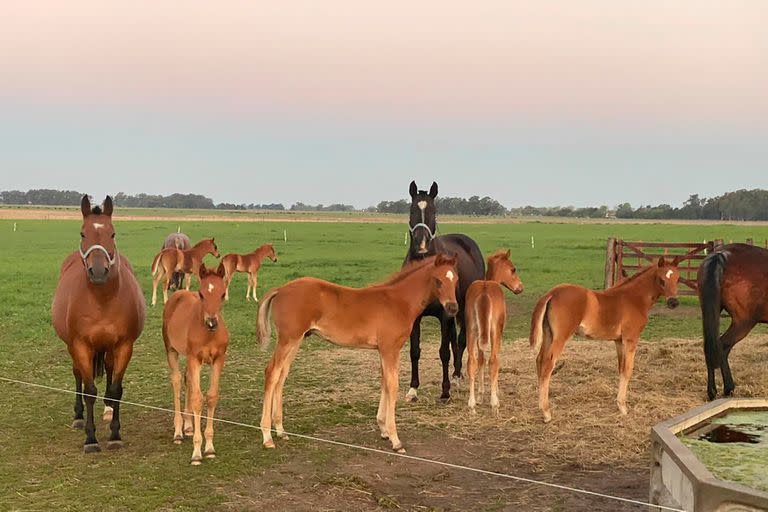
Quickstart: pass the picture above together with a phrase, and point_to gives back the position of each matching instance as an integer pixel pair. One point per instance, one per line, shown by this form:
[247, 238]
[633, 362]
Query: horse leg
[253, 287]
[189, 429]
[175, 374]
[212, 399]
[494, 365]
[79, 421]
[82, 358]
[277, 399]
[390, 364]
[109, 365]
[481, 371]
[545, 363]
[381, 414]
[122, 355]
[272, 375]
[167, 285]
[227, 281]
[445, 357]
[472, 353]
[458, 354]
[415, 349]
[196, 402]
[627, 361]
[155, 281]
[248, 288]
[187, 280]
[736, 332]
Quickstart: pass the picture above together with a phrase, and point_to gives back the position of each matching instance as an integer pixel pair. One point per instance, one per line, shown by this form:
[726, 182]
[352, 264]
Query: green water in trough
[734, 447]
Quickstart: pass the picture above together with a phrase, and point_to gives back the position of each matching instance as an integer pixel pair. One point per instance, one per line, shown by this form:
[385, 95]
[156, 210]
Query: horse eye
[113, 235]
[82, 235]
[222, 296]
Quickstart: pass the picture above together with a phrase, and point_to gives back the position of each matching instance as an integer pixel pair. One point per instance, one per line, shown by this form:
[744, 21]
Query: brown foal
[172, 260]
[485, 315]
[249, 263]
[619, 314]
[377, 317]
[194, 327]
[98, 311]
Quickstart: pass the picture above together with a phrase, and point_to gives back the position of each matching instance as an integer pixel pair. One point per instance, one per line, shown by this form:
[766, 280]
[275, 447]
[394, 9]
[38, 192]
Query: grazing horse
[98, 311]
[377, 317]
[733, 279]
[249, 263]
[193, 327]
[168, 261]
[619, 313]
[471, 267]
[486, 314]
[177, 241]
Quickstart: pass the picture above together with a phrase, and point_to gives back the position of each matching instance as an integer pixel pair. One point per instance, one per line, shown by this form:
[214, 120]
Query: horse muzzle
[517, 290]
[451, 309]
[672, 302]
[98, 274]
[211, 324]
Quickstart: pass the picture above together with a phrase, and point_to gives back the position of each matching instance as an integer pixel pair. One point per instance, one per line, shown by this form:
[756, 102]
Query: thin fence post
[610, 262]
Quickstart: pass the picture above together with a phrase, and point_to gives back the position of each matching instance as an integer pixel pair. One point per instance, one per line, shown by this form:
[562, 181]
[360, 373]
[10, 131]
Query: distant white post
[405, 240]
[533, 244]
[285, 235]
[14, 227]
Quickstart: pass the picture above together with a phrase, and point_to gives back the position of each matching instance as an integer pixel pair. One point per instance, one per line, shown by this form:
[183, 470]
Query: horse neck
[418, 280]
[643, 286]
[202, 249]
[261, 253]
[491, 273]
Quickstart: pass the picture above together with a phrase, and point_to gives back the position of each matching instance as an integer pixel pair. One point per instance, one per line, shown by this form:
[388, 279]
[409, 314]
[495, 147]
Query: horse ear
[433, 190]
[108, 206]
[413, 190]
[220, 270]
[676, 261]
[203, 271]
[85, 206]
[661, 261]
[509, 253]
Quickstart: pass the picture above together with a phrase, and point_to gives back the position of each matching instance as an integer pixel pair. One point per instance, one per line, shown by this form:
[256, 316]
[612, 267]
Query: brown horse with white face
[250, 264]
[619, 314]
[486, 313]
[378, 317]
[194, 327]
[98, 311]
[168, 261]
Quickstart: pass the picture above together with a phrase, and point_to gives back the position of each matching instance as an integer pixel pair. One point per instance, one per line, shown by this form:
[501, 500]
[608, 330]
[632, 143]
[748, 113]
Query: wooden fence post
[610, 262]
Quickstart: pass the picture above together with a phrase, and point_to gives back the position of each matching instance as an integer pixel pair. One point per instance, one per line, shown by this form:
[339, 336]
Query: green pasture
[42, 466]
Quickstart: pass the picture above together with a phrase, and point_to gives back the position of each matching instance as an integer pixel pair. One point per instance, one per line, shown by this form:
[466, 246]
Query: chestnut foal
[485, 315]
[250, 264]
[193, 327]
[172, 260]
[377, 317]
[619, 314]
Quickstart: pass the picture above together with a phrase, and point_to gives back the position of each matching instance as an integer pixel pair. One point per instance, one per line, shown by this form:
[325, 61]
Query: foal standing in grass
[250, 264]
[172, 260]
[193, 327]
[486, 314]
[377, 317]
[619, 314]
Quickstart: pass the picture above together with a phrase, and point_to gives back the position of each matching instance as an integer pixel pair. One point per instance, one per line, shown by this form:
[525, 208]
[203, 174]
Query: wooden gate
[624, 259]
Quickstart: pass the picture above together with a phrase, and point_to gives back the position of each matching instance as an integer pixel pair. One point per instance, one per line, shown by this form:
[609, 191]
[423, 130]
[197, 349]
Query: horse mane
[636, 276]
[498, 254]
[201, 242]
[407, 270]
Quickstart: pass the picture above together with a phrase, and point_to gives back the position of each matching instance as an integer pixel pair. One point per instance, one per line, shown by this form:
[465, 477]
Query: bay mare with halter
[486, 314]
[619, 314]
[168, 261]
[471, 267]
[98, 311]
[250, 264]
[733, 279]
[177, 241]
[194, 327]
[377, 317]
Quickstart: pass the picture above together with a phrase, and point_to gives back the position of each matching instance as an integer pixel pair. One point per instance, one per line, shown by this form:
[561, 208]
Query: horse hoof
[210, 455]
[472, 411]
[547, 417]
[78, 424]
[91, 448]
[445, 399]
[283, 436]
[270, 445]
[178, 439]
[399, 449]
[495, 412]
[412, 395]
[108, 413]
[196, 462]
[385, 436]
[114, 445]
[189, 432]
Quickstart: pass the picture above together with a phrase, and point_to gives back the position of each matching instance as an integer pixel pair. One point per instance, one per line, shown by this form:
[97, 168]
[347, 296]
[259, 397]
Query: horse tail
[265, 325]
[710, 284]
[98, 365]
[155, 263]
[540, 322]
[483, 310]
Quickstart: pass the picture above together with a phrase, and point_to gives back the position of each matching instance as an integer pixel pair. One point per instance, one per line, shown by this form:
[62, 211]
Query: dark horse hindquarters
[470, 266]
[733, 279]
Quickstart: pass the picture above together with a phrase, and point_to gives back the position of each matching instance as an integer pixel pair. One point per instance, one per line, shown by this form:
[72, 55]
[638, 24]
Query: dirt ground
[589, 445]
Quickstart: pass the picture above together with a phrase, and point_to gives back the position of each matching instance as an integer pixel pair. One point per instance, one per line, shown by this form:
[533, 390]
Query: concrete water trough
[682, 479]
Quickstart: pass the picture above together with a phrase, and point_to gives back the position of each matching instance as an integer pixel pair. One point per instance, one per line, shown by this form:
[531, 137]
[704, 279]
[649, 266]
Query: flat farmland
[332, 393]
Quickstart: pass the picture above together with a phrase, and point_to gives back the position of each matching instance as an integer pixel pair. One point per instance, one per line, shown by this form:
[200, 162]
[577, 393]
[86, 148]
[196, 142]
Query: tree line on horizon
[737, 205]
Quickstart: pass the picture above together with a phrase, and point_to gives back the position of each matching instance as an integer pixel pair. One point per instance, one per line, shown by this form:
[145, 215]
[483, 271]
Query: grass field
[42, 466]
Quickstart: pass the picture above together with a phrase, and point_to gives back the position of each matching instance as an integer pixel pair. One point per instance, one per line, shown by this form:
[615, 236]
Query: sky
[544, 103]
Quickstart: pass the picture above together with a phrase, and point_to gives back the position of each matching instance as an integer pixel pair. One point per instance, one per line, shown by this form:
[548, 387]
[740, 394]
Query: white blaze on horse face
[450, 275]
[669, 273]
[422, 205]
[96, 225]
[210, 288]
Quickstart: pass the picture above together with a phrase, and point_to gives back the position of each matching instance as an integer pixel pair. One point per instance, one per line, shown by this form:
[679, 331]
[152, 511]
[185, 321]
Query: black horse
[471, 267]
